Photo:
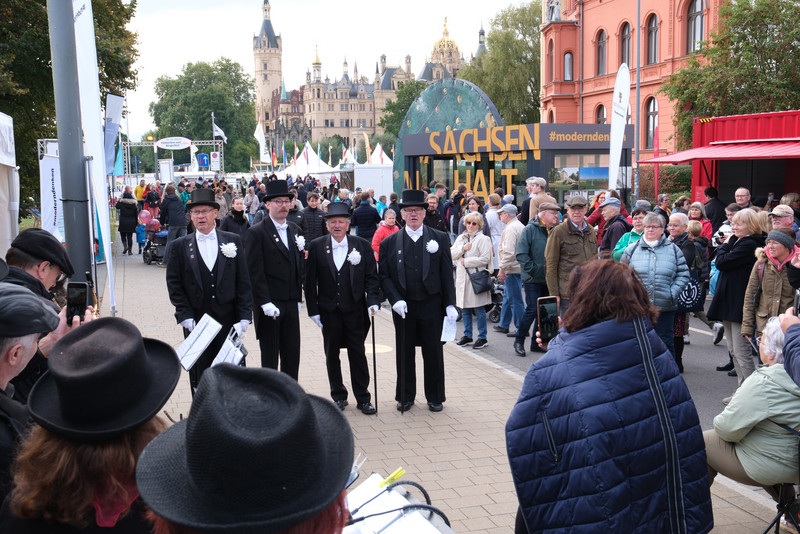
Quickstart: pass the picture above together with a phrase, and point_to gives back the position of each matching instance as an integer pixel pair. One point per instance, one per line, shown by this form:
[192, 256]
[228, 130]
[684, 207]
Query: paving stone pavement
[458, 455]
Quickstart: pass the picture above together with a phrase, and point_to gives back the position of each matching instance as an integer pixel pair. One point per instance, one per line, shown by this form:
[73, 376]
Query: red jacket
[383, 231]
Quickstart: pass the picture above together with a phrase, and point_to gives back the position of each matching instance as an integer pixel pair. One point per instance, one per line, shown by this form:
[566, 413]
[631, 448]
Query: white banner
[114, 104]
[263, 151]
[50, 193]
[619, 112]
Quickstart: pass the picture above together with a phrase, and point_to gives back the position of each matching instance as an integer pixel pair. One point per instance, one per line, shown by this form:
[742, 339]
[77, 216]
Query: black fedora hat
[413, 197]
[277, 188]
[256, 455]
[202, 197]
[103, 380]
[337, 209]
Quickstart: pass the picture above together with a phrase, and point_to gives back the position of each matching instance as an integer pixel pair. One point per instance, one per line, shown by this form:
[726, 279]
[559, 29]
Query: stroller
[494, 309]
[155, 248]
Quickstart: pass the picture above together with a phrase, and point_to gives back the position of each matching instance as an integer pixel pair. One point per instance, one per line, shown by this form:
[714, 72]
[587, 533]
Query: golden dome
[445, 43]
[317, 62]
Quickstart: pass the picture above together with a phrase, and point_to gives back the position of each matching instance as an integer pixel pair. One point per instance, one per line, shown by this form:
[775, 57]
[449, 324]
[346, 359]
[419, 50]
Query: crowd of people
[79, 453]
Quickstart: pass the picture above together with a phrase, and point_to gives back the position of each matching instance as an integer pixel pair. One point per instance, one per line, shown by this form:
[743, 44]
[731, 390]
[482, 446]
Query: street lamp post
[155, 155]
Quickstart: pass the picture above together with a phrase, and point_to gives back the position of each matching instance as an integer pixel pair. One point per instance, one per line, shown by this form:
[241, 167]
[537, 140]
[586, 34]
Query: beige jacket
[478, 257]
[537, 199]
[507, 251]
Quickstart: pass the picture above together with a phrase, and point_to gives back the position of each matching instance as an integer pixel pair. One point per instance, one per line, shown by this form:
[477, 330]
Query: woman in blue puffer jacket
[604, 436]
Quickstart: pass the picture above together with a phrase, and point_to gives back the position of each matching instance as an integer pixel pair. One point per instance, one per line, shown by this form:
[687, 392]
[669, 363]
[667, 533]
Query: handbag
[481, 281]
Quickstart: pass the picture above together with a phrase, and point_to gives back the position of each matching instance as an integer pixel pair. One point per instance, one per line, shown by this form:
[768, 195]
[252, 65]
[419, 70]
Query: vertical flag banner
[330, 149]
[619, 112]
[274, 159]
[263, 153]
[305, 153]
[283, 149]
[114, 104]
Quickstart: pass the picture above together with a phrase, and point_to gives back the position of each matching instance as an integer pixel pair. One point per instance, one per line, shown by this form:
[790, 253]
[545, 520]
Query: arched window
[600, 116]
[317, 93]
[551, 118]
[652, 40]
[568, 67]
[694, 26]
[625, 45]
[651, 107]
[551, 62]
[601, 52]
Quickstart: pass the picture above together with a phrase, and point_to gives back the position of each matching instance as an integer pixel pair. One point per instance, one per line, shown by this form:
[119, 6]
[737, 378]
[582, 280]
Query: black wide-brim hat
[277, 189]
[255, 455]
[413, 197]
[337, 209]
[202, 197]
[104, 379]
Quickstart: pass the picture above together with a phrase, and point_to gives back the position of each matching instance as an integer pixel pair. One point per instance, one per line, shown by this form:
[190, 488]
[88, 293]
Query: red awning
[733, 150]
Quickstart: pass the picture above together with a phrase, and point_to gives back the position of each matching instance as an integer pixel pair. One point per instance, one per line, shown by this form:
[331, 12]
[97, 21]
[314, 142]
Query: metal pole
[155, 157]
[638, 107]
[70, 140]
[374, 363]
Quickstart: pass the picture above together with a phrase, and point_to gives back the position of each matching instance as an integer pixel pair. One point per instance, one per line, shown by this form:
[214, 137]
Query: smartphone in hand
[77, 300]
[547, 317]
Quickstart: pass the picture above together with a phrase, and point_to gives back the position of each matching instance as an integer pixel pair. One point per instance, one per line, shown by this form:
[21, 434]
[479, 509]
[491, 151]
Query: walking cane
[374, 363]
[403, 364]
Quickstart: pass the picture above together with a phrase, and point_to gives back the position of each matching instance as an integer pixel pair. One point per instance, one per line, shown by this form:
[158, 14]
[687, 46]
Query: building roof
[267, 32]
[427, 72]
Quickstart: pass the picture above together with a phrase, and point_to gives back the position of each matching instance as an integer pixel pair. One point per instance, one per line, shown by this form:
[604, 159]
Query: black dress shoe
[464, 340]
[404, 406]
[519, 348]
[732, 372]
[512, 334]
[341, 403]
[367, 408]
[727, 367]
[500, 329]
[435, 406]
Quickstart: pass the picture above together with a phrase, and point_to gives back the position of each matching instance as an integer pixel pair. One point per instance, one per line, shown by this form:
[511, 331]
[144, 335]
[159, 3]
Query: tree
[26, 79]
[332, 145]
[751, 64]
[509, 70]
[184, 105]
[395, 110]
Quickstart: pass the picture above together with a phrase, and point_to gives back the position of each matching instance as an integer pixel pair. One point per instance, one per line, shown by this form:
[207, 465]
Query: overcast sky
[175, 32]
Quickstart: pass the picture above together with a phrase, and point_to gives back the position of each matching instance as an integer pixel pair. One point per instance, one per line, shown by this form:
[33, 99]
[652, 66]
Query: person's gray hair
[662, 197]
[700, 206]
[682, 218]
[536, 180]
[26, 341]
[654, 218]
[772, 339]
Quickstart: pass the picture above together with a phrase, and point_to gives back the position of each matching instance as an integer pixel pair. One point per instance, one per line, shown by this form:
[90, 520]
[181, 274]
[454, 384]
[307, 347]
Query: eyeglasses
[471, 224]
[651, 227]
[280, 202]
[671, 225]
[202, 212]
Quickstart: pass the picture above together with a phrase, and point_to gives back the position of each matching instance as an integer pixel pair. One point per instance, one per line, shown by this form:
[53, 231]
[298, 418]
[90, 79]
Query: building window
[601, 53]
[625, 45]
[694, 26]
[265, 66]
[568, 67]
[317, 93]
[551, 62]
[600, 116]
[551, 118]
[319, 106]
[265, 77]
[652, 121]
[652, 40]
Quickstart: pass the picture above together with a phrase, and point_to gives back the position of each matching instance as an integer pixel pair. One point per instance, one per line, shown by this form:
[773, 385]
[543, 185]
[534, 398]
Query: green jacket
[767, 452]
[567, 247]
[624, 241]
[185, 197]
[530, 252]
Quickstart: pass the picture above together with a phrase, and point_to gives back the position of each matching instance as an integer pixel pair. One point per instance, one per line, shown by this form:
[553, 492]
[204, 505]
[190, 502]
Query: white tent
[379, 157]
[308, 162]
[9, 184]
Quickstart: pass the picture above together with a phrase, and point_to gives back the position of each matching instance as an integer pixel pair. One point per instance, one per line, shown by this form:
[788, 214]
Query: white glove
[270, 310]
[317, 320]
[451, 312]
[241, 327]
[188, 324]
[374, 309]
[299, 306]
[400, 308]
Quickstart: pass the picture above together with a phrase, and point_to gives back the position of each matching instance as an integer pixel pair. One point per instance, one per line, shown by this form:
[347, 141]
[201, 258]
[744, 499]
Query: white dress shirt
[339, 251]
[208, 248]
[414, 234]
[281, 227]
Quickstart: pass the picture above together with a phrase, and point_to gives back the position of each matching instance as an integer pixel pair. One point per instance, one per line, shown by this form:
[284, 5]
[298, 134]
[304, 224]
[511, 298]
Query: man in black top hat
[275, 255]
[341, 284]
[416, 273]
[207, 274]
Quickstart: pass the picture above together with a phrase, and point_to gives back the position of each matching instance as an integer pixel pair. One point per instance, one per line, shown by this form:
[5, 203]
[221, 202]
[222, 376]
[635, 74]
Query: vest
[415, 290]
[222, 313]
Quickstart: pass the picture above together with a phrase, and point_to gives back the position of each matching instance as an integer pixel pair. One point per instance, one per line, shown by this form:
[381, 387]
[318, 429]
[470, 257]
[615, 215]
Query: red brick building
[585, 42]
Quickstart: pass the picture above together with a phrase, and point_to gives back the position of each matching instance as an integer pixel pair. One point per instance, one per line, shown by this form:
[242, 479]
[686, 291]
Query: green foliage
[184, 105]
[750, 65]
[334, 146]
[395, 110]
[509, 71]
[26, 80]
[674, 180]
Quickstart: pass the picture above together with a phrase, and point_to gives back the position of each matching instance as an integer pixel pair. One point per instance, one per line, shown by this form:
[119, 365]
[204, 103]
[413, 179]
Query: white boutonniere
[432, 246]
[354, 257]
[300, 241]
[228, 250]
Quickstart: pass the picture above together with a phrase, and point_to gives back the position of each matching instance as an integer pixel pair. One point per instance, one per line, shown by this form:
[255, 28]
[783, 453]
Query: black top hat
[277, 188]
[413, 197]
[256, 455]
[202, 197]
[22, 312]
[337, 209]
[104, 379]
[43, 245]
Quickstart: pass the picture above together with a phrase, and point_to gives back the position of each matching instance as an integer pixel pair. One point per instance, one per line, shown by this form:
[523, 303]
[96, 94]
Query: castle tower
[445, 51]
[317, 66]
[267, 54]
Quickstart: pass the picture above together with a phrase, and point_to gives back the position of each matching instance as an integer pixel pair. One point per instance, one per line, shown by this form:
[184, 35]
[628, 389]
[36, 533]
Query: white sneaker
[719, 331]
[686, 339]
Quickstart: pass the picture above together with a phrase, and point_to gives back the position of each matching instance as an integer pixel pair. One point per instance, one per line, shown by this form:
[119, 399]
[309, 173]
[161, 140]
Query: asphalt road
[700, 358]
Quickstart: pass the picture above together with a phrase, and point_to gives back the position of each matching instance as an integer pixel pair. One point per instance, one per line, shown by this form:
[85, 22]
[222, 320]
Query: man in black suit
[342, 286]
[416, 274]
[275, 254]
[207, 274]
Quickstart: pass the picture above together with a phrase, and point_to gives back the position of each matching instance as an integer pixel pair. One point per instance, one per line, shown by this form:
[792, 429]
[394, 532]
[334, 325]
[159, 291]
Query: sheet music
[449, 328]
[201, 337]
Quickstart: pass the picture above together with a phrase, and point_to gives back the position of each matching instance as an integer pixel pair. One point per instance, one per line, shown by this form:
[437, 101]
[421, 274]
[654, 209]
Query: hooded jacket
[662, 269]
[776, 292]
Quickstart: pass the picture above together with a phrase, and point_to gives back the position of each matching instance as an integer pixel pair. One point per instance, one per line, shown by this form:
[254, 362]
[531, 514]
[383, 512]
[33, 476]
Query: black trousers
[422, 326]
[279, 338]
[346, 330]
[207, 358]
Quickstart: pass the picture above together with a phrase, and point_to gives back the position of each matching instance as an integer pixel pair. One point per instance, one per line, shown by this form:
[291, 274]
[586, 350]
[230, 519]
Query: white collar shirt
[207, 246]
[339, 251]
[281, 228]
[414, 234]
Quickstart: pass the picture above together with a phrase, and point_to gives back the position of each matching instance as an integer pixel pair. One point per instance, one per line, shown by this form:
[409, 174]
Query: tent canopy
[746, 149]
